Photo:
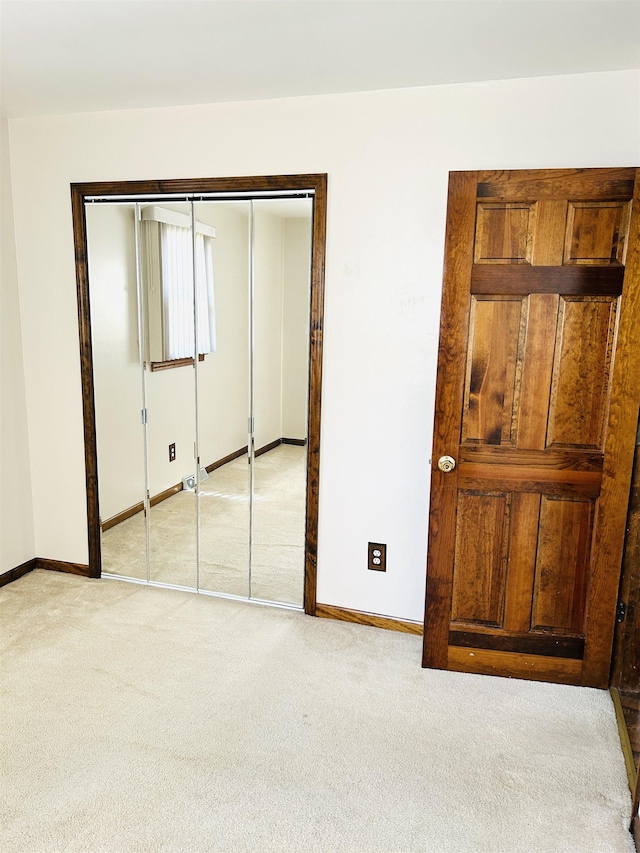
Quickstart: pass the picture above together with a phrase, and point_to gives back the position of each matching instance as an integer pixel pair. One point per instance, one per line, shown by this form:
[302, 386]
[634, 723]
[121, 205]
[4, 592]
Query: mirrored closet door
[200, 333]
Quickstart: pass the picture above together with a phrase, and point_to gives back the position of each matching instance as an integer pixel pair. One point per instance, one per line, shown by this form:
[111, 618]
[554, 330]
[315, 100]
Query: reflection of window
[170, 292]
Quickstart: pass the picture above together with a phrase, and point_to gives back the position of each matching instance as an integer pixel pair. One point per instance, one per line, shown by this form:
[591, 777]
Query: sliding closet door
[119, 388]
[168, 308]
[222, 283]
[200, 330]
[281, 288]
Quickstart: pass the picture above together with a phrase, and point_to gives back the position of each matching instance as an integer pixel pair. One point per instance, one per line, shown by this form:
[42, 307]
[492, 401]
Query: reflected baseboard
[167, 493]
[173, 490]
[267, 447]
[299, 442]
[123, 516]
[220, 462]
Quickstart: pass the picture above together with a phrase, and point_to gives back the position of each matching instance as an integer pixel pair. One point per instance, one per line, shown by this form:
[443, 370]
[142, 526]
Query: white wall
[387, 155]
[17, 541]
[295, 326]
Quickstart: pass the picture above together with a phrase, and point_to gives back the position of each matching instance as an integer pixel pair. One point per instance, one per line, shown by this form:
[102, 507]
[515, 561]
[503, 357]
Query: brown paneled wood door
[537, 403]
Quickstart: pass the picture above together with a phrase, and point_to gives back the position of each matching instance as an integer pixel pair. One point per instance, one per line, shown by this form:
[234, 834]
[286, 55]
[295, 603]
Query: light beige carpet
[277, 560]
[140, 719]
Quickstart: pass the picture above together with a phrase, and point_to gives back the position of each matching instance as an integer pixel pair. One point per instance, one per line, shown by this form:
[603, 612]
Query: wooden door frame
[315, 182]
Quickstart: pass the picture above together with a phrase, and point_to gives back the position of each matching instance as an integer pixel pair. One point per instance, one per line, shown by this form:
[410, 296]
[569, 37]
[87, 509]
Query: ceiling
[63, 56]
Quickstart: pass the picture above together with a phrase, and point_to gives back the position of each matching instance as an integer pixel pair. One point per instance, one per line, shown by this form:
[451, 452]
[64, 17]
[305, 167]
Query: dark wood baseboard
[62, 566]
[44, 563]
[327, 611]
[18, 572]
[299, 442]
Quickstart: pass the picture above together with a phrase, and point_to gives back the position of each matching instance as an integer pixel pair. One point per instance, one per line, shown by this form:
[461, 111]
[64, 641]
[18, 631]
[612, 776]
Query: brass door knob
[446, 463]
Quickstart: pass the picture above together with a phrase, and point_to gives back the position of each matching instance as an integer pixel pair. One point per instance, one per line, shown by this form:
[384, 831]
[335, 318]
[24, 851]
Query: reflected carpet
[277, 564]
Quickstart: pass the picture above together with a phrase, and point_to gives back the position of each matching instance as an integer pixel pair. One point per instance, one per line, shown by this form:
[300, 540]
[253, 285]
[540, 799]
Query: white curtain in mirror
[177, 301]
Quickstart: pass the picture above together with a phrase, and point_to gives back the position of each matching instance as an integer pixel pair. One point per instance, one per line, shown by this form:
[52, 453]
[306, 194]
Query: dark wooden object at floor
[628, 714]
[625, 672]
[537, 400]
[631, 709]
[315, 182]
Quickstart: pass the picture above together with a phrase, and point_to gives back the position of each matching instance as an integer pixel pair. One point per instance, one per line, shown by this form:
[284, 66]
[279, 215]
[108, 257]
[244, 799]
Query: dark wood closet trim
[63, 566]
[342, 614]
[86, 378]
[43, 563]
[315, 182]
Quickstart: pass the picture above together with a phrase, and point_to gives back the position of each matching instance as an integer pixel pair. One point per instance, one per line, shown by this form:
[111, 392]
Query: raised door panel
[491, 385]
[481, 554]
[581, 373]
[597, 232]
[504, 233]
[562, 564]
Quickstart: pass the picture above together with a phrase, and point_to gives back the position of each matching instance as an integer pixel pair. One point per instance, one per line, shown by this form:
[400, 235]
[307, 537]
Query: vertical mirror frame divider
[259, 184]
